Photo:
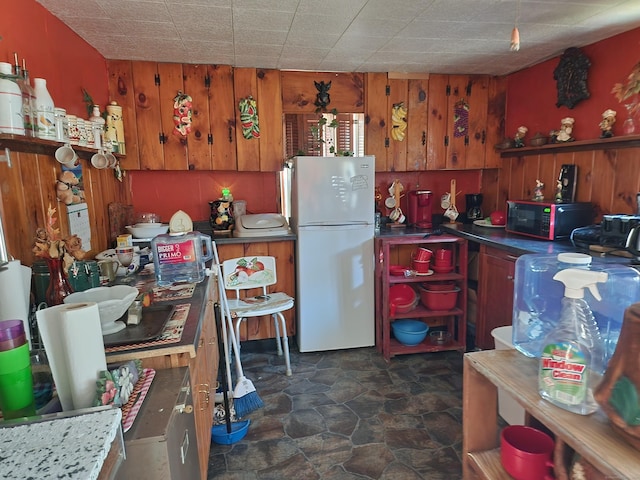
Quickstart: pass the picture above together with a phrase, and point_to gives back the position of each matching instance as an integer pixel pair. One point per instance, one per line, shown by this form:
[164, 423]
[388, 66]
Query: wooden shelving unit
[591, 436]
[39, 146]
[627, 141]
[396, 250]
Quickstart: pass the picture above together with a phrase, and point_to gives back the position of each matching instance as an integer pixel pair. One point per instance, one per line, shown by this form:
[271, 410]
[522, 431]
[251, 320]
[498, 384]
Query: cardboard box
[125, 240]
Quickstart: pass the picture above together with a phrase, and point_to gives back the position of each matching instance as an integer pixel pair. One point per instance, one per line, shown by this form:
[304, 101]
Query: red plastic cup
[443, 257]
[423, 254]
[526, 453]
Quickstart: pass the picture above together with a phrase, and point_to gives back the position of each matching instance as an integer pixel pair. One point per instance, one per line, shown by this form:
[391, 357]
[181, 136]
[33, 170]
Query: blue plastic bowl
[409, 332]
[220, 436]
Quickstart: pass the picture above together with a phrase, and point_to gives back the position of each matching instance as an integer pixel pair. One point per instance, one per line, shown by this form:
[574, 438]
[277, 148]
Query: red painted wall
[532, 93]
[54, 52]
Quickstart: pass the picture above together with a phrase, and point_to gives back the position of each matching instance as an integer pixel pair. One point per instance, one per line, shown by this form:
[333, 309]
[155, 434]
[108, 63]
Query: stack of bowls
[409, 332]
[402, 298]
[421, 260]
[439, 297]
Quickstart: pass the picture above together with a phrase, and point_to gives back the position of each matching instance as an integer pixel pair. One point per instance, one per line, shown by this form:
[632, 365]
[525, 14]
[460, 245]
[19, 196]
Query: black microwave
[547, 220]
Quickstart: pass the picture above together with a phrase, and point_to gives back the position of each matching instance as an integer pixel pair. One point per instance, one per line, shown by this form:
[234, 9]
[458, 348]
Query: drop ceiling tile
[150, 29]
[337, 8]
[246, 35]
[257, 61]
[146, 10]
[404, 10]
[250, 18]
[268, 5]
[247, 49]
[72, 8]
[320, 25]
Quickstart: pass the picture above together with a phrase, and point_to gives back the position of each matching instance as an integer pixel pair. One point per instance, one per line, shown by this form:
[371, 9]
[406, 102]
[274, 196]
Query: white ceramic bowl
[147, 230]
[112, 302]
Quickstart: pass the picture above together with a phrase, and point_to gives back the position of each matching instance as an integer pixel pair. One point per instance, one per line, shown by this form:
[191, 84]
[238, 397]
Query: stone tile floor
[348, 415]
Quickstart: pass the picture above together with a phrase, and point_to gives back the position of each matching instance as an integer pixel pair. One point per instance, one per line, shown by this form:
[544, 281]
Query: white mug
[111, 159]
[66, 156]
[99, 160]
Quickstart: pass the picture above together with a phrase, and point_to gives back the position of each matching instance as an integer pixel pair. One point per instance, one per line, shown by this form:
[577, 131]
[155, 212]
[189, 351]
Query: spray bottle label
[563, 373]
[176, 253]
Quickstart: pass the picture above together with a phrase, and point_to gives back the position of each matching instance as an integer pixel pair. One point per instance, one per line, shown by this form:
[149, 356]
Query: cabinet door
[270, 112]
[248, 150]
[222, 118]
[204, 369]
[196, 85]
[417, 124]
[497, 100]
[437, 113]
[174, 146]
[397, 156]
[495, 293]
[121, 90]
[375, 134]
[148, 120]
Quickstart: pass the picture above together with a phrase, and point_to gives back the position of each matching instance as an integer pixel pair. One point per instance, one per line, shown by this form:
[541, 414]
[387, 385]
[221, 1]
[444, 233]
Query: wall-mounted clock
[571, 77]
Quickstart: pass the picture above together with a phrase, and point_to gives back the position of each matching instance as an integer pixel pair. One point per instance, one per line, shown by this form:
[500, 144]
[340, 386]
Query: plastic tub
[409, 332]
[439, 299]
[508, 408]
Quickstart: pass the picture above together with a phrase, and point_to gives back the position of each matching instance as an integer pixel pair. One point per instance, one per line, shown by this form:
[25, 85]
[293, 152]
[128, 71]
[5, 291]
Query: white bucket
[508, 408]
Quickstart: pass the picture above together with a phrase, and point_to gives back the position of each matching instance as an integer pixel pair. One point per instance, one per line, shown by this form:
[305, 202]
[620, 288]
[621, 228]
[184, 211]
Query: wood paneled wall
[28, 188]
[609, 179]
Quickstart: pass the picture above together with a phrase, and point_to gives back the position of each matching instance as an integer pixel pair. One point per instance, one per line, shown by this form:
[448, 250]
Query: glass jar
[62, 125]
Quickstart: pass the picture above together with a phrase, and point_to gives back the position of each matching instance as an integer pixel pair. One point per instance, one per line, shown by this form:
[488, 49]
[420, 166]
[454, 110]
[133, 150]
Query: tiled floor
[349, 415]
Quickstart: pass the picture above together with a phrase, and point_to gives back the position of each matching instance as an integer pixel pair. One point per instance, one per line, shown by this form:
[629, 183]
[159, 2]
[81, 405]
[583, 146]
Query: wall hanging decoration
[627, 94]
[322, 98]
[398, 121]
[249, 118]
[461, 118]
[571, 77]
[182, 114]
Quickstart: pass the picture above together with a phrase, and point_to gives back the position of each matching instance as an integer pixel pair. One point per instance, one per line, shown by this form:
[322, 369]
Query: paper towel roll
[72, 338]
[15, 287]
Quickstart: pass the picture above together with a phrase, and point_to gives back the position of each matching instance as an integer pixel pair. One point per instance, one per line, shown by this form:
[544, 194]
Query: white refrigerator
[332, 214]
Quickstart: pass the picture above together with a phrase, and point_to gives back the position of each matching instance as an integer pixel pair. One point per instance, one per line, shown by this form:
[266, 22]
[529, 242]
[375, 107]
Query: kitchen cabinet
[450, 143]
[590, 436]
[495, 293]
[284, 251]
[382, 93]
[197, 350]
[397, 250]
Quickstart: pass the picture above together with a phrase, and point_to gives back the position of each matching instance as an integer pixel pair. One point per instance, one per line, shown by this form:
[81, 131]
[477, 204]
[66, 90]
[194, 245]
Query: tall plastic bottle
[45, 110]
[11, 120]
[573, 356]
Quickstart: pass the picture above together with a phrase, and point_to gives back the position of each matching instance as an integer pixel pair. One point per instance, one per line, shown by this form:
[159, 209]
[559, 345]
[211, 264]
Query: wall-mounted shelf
[627, 141]
[18, 143]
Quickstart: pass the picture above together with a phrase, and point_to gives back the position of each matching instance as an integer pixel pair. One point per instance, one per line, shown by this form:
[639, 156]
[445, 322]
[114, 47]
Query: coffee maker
[474, 207]
[419, 208]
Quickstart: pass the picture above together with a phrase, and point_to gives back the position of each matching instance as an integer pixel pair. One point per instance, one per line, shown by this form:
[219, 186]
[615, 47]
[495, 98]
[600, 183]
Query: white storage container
[508, 408]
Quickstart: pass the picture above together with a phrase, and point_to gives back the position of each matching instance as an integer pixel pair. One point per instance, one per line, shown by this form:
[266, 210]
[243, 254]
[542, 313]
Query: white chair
[244, 273]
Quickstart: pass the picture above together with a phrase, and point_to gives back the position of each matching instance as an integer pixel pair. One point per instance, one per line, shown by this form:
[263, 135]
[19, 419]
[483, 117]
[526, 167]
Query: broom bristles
[245, 397]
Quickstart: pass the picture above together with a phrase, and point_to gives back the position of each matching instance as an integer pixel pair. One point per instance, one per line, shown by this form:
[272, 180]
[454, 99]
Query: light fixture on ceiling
[515, 34]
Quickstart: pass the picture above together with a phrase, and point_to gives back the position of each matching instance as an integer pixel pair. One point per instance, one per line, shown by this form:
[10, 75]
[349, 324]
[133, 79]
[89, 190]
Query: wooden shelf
[591, 436]
[627, 141]
[39, 146]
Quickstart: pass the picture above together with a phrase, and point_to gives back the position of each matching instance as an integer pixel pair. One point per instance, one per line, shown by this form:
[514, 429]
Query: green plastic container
[16, 383]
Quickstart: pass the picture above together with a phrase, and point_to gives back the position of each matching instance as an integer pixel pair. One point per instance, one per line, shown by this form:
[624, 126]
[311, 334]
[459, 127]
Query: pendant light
[515, 34]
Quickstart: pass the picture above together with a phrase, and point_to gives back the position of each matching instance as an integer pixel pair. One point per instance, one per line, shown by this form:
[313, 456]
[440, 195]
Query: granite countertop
[72, 447]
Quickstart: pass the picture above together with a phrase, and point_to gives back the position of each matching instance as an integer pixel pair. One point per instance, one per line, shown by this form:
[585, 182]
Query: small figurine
[564, 134]
[538, 196]
[558, 191]
[606, 125]
[518, 140]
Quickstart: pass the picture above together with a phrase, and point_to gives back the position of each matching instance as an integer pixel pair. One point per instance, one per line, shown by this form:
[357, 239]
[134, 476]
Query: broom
[245, 397]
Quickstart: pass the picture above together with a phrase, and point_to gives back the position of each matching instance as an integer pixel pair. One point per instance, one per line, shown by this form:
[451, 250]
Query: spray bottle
[573, 354]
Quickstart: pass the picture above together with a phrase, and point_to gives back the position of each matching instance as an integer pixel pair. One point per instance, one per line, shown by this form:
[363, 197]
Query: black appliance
[615, 229]
[547, 220]
[474, 207]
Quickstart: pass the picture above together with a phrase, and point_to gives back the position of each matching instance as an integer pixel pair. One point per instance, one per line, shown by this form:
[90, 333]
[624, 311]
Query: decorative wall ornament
[398, 122]
[461, 118]
[322, 98]
[249, 118]
[182, 114]
[571, 77]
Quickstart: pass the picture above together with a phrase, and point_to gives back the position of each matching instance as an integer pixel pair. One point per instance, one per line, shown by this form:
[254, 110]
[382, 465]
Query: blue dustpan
[220, 435]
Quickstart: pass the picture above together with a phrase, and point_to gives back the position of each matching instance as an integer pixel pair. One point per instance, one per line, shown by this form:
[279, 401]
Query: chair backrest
[243, 273]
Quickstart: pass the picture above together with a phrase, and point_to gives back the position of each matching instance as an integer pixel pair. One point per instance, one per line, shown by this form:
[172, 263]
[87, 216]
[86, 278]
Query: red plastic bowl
[398, 270]
[439, 300]
[439, 287]
[402, 298]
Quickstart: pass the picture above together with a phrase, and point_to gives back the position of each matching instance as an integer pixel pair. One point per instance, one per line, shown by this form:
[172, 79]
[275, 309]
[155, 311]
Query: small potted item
[538, 140]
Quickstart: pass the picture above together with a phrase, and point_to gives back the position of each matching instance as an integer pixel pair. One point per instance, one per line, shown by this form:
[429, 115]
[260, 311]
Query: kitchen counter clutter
[74, 445]
[589, 436]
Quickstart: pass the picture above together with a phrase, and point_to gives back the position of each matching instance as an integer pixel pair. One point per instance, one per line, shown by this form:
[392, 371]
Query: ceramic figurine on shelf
[606, 125]
[518, 140]
[558, 191]
[564, 134]
[538, 196]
